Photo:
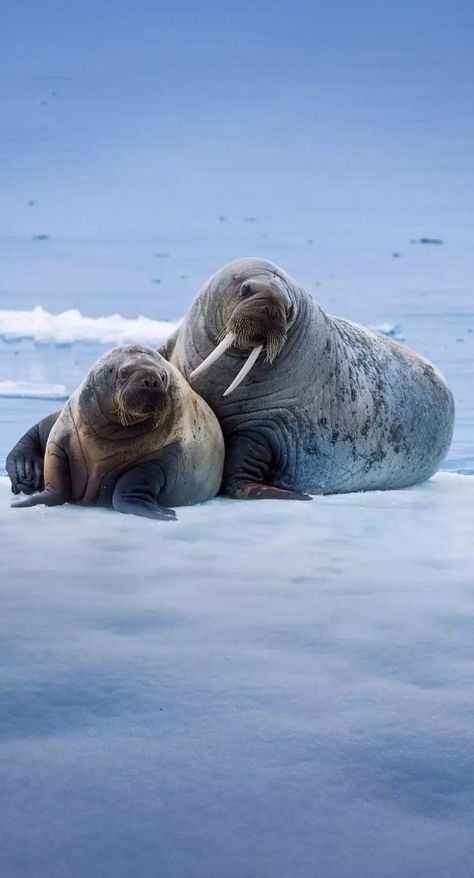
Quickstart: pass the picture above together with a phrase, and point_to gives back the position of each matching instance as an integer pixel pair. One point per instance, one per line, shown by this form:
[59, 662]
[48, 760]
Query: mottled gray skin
[342, 408]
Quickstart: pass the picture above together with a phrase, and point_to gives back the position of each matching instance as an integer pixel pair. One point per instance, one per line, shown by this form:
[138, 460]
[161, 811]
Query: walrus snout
[260, 321]
[147, 376]
[262, 327]
[143, 393]
[261, 318]
[257, 316]
[146, 389]
[151, 379]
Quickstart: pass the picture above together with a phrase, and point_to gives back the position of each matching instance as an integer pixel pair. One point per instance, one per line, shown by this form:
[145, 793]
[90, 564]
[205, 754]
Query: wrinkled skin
[328, 407]
[134, 436]
[338, 408]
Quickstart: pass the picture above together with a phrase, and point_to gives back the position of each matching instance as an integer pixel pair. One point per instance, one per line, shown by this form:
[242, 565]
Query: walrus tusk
[245, 369]
[226, 342]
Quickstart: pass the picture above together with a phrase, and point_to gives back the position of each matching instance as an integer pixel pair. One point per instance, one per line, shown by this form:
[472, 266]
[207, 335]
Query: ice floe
[72, 326]
[31, 390]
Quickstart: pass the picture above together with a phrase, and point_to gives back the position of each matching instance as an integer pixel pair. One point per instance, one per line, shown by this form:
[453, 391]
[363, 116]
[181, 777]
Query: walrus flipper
[259, 491]
[25, 462]
[248, 469]
[138, 490]
[44, 498]
[57, 481]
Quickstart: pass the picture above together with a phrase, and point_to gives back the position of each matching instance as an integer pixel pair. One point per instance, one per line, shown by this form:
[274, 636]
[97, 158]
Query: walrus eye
[245, 290]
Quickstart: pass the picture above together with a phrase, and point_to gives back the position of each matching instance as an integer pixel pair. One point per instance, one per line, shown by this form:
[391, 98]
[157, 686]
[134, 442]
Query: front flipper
[25, 462]
[57, 479]
[138, 490]
[259, 491]
[250, 463]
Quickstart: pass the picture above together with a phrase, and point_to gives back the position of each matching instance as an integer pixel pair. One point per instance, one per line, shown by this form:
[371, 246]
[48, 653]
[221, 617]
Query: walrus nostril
[152, 382]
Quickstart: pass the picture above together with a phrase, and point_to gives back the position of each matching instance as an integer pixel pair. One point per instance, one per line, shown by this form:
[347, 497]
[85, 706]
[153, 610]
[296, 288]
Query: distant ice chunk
[71, 326]
[391, 329]
[30, 390]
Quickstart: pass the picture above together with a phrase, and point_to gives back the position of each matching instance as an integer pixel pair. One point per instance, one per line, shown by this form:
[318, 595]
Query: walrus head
[134, 385]
[257, 312]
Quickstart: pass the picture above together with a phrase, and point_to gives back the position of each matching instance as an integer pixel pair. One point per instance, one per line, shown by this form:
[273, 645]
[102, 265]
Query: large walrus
[307, 402]
[135, 436]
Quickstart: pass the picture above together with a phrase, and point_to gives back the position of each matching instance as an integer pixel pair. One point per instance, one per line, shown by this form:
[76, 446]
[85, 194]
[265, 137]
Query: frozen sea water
[260, 689]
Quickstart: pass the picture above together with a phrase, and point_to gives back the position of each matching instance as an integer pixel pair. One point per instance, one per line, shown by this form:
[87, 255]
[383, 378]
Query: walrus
[134, 436]
[308, 403]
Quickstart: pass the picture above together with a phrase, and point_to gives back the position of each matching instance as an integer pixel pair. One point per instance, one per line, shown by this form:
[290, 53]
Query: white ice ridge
[32, 390]
[71, 326]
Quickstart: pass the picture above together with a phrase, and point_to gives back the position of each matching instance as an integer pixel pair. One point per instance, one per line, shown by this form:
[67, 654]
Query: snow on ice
[71, 326]
[257, 689]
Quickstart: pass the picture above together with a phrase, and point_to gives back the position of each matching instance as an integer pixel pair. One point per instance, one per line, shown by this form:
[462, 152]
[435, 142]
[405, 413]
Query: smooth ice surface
[260, 689]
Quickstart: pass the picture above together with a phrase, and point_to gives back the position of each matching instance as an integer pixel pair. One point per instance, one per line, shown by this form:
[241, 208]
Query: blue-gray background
[143, 145]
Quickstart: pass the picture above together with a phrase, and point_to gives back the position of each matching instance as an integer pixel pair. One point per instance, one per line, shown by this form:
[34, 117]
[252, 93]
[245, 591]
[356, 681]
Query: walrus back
[391, 422]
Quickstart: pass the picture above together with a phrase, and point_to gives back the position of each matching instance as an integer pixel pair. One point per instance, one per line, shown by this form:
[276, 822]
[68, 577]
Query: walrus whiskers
[226, 342]
[254, 355]
[274, 345]
[125, 418]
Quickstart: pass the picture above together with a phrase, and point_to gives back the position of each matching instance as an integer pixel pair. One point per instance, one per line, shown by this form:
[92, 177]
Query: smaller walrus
[134, 436]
